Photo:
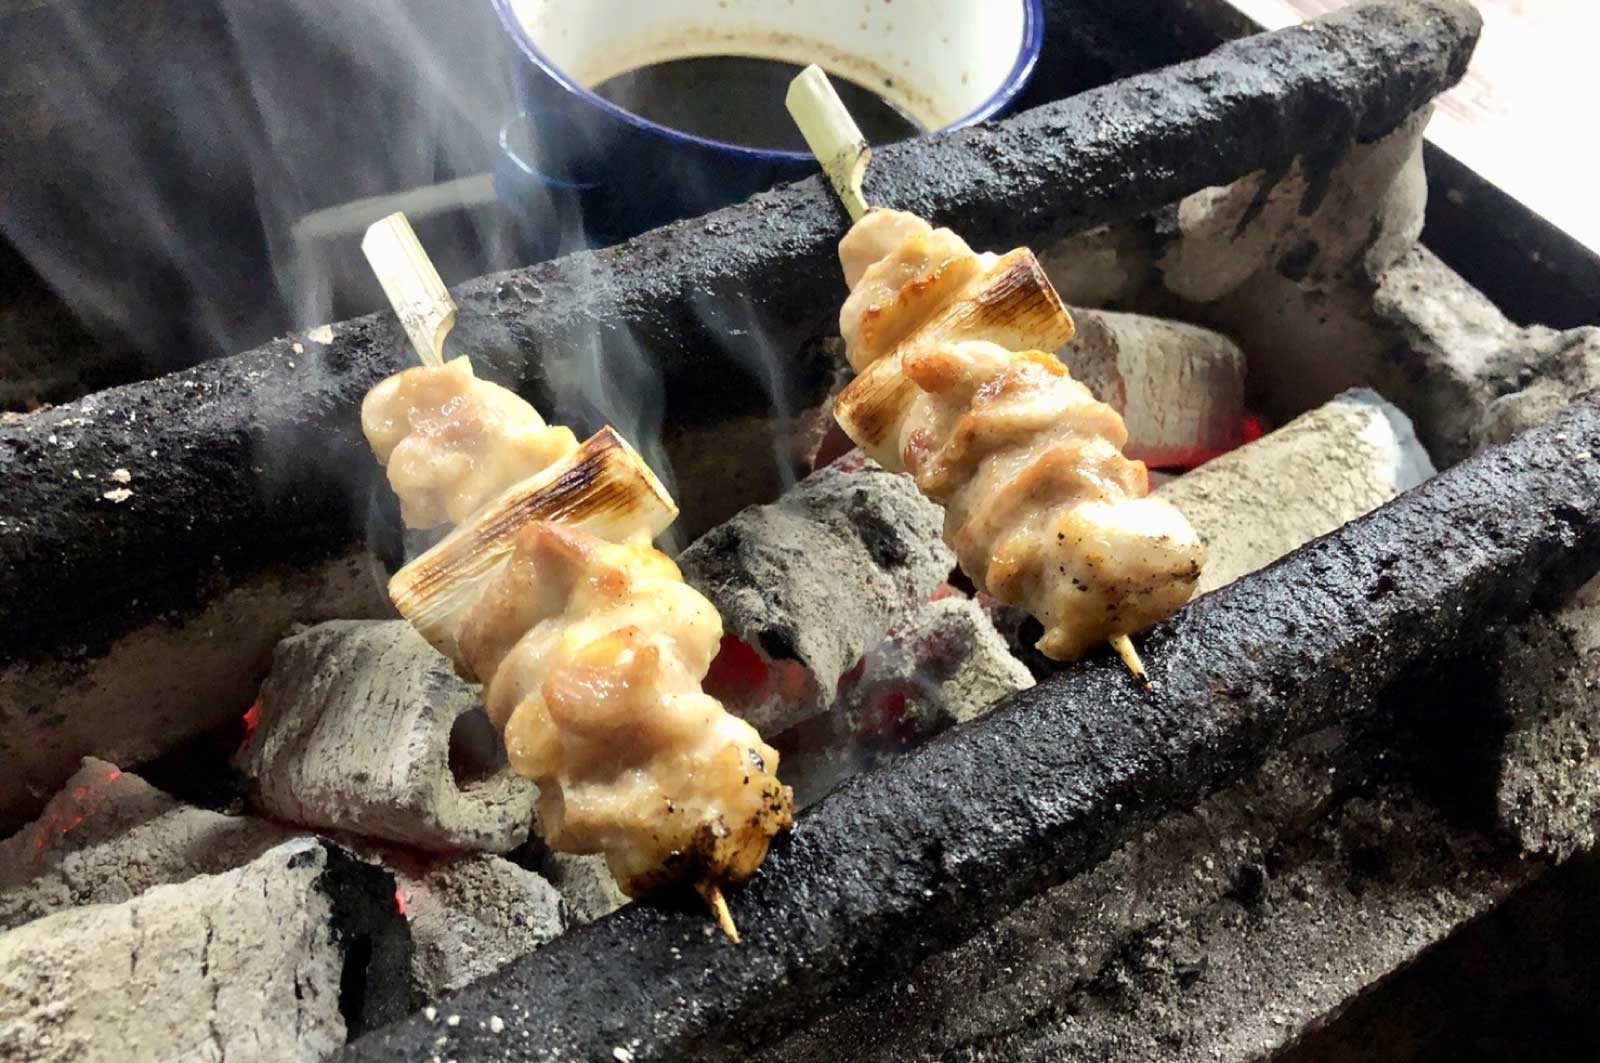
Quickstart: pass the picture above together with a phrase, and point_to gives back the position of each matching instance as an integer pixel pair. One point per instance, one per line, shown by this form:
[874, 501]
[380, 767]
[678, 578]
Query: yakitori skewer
[957, 384]
[589, 645]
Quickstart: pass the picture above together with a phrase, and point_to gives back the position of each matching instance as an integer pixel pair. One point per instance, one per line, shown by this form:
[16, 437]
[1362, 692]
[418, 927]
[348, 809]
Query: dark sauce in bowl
[739, 100]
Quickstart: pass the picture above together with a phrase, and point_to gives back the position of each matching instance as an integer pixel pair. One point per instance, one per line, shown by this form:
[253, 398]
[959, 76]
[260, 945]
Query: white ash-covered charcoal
[1316, 473]
[109, 836]
[1543, 683]
[944, 665]
[252, 964]
[364, 727]
[1109, 265]
[1553, 368]
[585, 884]
[1178, 387]
[1307, 223]
[806, 584]
[471, 915]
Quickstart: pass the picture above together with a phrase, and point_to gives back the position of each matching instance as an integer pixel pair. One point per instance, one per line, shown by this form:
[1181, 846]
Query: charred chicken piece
[1041, 507]
[451, 442]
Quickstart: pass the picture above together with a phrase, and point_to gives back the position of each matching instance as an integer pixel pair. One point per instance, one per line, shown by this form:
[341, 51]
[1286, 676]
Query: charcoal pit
[269, 522]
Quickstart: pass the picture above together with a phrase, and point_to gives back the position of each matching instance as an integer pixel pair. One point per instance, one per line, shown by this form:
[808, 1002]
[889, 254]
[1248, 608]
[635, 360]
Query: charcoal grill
[253, 504]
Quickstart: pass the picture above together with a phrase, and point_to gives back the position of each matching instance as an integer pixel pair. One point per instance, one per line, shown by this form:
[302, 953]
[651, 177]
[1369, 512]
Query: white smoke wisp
[175, 147]
[201, 175]
[747, 346]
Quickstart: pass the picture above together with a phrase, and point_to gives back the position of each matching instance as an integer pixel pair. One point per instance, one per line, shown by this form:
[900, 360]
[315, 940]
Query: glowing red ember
[252, 716]
[69, 809]
[738, 674]
[741, 678]
[1251, 428]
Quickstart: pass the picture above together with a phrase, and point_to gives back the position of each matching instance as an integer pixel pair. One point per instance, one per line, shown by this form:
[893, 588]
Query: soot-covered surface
[905, 861]
[256, 459]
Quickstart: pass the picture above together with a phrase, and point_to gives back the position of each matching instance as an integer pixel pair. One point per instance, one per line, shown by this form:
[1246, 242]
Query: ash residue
[819, 575]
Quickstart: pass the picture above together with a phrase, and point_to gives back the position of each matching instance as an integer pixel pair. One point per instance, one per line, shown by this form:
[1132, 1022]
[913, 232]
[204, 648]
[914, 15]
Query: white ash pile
[250, 963]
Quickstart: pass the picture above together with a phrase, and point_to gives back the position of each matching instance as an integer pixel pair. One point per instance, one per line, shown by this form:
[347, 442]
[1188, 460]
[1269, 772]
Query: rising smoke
[192, 176]
[163, 152]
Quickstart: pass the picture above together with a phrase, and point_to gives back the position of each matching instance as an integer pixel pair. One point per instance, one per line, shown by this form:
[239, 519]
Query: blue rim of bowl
[508, 151]
[1027, 58]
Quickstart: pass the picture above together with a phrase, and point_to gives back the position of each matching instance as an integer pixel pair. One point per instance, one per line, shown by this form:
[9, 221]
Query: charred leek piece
[1011, 303]
[603, 488]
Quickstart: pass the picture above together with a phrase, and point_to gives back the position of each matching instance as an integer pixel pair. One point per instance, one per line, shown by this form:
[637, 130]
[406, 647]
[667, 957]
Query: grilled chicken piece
[903, 288]
[592, 655]
[1042, 508]
[875, 238]
[591, 650]
[452, 442]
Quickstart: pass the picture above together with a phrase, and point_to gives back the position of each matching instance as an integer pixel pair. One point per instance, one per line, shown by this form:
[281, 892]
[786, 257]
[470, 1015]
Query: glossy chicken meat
[1041, 507]
[591, 651]
[452, 442]
[591, 654]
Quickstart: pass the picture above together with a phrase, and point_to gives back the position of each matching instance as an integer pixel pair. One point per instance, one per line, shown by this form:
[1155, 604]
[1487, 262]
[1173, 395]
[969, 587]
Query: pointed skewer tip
[1130, 657]
[719, 909]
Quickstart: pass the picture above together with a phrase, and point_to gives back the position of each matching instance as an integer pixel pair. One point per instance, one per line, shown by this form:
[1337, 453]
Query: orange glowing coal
[740, 677]
[70, 809]
[1251, 428]
[252, 716]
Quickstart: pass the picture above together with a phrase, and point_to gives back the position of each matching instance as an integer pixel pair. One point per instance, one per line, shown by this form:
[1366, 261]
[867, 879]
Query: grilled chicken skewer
[590, 646]
[957, 386]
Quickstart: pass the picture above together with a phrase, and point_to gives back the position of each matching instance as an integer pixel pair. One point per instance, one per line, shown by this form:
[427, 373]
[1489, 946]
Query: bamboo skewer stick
[1130, 657]
[413, 285]
[836, 141]
[831, 134]
[712, 893]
